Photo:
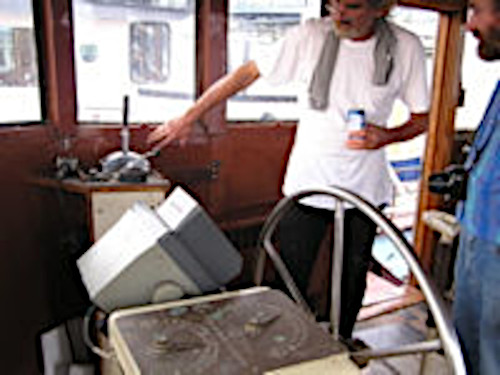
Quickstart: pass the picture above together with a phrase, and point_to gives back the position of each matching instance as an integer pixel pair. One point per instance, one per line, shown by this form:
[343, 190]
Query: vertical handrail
[337, 263]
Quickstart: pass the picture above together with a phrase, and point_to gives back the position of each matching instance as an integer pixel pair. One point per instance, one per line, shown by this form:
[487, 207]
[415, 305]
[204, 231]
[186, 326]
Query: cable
[86, 335]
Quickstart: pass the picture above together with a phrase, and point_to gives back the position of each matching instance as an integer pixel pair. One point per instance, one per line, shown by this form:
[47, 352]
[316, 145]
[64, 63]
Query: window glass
[19, 85]
[6, 51]
[149, 48]
[406, 158]
[254, 28]
[479, 79]
[423, 23]
[141, 48]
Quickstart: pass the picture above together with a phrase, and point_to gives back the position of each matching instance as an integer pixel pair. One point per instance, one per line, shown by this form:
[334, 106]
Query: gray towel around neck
[384, 52]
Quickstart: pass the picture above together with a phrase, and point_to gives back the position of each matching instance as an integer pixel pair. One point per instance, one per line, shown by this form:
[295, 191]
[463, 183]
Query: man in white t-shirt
[353, 59]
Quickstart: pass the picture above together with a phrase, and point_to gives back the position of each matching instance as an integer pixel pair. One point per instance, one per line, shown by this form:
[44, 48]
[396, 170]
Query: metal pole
[419, 347]
[337, 262]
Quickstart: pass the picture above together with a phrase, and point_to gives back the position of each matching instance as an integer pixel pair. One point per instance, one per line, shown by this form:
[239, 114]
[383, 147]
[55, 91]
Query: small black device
[452, 182]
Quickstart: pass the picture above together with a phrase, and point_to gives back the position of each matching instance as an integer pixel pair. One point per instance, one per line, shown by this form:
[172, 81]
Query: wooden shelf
[74, 185]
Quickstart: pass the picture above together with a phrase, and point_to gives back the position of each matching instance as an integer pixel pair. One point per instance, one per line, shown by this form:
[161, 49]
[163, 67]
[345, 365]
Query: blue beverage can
[355, 119]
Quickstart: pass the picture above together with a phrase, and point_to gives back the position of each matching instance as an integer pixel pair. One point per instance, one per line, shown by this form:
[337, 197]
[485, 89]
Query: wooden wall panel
[439, 5]
[22, 275]
[253, 161]
[442, 123]
[211, 54]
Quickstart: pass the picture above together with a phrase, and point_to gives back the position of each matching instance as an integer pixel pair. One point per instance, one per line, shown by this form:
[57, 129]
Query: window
[407, 157]
[149, 48]
[254, 28]
[6, 51]
[19, 85]
[423, 23]
[479, 79]
[18, 59]
[141, 48]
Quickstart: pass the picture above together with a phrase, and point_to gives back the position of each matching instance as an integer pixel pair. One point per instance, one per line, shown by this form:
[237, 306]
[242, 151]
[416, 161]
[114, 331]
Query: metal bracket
[214, 168]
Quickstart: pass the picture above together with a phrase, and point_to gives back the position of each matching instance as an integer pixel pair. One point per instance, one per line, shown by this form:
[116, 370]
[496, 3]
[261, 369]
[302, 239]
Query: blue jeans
[477, 303]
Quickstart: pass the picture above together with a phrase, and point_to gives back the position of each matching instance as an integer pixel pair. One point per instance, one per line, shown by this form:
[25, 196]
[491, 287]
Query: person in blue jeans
[477, 271]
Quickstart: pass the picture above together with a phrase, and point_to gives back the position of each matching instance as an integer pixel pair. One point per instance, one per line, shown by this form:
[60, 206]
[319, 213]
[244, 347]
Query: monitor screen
[156, 255]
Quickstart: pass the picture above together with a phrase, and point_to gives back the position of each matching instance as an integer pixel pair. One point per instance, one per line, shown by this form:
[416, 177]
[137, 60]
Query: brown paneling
[22, 275]
[441, 126]
[59, 65]
[253, 166]
[211, 55]
[26, 249]
[25, 152]
[439, 5]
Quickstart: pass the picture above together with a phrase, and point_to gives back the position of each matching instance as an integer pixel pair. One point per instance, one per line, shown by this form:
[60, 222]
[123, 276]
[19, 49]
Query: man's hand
[177, 129]
[371, 137]
[180, 128]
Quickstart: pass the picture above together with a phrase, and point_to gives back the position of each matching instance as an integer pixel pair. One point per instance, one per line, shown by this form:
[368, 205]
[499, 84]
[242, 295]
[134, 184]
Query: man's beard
[348, 31]
[489, 44]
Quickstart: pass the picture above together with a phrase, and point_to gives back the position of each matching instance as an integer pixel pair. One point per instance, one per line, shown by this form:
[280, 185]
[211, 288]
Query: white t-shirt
[319, 156]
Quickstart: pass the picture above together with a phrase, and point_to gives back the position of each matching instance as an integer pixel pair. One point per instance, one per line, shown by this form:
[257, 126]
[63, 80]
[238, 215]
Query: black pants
[300, 234]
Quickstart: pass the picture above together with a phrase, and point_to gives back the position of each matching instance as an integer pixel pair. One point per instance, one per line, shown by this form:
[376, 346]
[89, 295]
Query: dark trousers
[301, 232]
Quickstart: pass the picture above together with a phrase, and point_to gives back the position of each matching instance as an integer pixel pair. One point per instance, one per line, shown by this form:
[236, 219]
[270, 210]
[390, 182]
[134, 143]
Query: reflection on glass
[19, 85]
[149, 48]
[6, 50]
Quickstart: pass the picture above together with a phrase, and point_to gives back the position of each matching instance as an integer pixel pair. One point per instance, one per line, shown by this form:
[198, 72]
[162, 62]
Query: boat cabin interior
[81, 80]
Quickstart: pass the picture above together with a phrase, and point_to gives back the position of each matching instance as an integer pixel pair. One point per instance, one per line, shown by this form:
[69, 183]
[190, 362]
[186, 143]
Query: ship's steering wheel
[447, 338]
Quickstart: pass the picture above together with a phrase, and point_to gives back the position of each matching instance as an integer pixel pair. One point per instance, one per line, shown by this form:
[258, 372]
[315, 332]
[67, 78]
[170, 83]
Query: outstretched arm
[373, 137]
[180, 128]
